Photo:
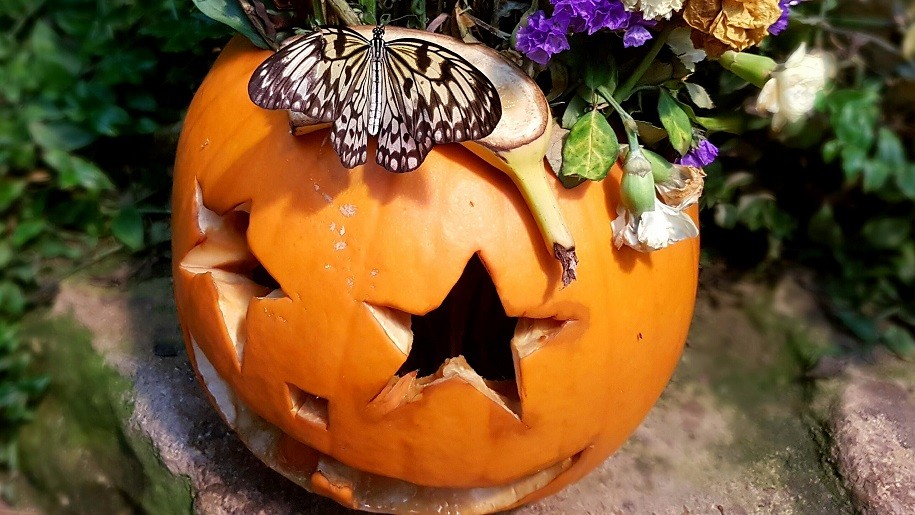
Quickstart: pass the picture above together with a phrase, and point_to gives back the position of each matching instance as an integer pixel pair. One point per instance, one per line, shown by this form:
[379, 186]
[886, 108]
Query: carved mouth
[469, 339]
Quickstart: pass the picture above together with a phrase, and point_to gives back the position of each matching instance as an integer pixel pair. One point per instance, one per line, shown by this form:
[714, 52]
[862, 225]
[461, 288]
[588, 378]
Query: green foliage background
[91, 97]
[836, 192]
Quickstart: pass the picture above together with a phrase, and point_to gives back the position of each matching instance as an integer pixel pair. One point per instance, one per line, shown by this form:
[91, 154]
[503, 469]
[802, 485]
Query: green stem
[632, 129]
[346, 13]
[623, 92]
[318, 9]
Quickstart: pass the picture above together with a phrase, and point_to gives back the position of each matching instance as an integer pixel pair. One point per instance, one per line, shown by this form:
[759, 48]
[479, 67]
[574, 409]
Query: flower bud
[752, 68]
[637, 192]
[636, 163]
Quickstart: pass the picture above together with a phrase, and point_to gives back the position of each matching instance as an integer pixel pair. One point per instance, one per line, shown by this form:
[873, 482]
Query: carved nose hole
[471, 322]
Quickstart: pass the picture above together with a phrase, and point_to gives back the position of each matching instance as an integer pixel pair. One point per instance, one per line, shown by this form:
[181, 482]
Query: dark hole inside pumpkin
[471, 323]
[261, 276]
[251, 268]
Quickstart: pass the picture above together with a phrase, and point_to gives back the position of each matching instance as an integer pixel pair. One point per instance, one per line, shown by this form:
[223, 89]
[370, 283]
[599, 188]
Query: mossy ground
[759, 366]
[80, 455]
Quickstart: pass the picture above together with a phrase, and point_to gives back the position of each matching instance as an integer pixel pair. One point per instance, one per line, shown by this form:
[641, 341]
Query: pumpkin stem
[524, 164]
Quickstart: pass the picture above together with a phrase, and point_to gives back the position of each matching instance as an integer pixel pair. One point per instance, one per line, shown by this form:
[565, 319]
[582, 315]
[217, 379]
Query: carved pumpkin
[403, 341]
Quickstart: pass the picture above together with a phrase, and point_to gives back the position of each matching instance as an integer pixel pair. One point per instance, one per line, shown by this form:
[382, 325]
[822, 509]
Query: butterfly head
[378, 31]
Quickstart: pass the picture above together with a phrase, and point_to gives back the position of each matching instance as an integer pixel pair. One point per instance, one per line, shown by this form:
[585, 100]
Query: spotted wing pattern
[429, 94]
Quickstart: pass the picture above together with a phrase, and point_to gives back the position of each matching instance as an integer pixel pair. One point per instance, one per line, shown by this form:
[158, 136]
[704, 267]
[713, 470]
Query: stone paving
[738, 430]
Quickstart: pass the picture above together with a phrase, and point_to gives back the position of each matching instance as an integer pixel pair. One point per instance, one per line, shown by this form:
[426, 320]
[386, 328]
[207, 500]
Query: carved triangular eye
[468, 337]
[470, 322]
[238, 275]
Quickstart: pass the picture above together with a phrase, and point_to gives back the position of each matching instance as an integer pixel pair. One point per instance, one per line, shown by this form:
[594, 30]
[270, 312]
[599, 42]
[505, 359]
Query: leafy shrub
[18, 391]
[836, 193]
[90, 98]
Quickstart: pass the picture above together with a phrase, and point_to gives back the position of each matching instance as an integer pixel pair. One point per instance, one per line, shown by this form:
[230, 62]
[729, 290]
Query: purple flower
[609, 14]
[541, 38]
[782, 23]
[703, 154]
[612, 14]
[574, 14]
[636, 35]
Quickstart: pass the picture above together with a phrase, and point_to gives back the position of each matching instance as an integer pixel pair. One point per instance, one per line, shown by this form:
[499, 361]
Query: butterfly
[410, 93]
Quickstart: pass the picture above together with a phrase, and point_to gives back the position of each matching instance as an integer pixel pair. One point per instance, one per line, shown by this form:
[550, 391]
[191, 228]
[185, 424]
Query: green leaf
[732, 124]
[600, 78]
[699, 96]
[890, 149]
[905, 179]
[831, 150]
[823, 227]
[369, 11]
[900, 341]
[12, 299]
[6, 254]
[573, 111]
[559, 80]
[418, 8]
[676, 122]
[127, 227]
[110, 120]
[231, 13]
[10, 191]
[887, 233]
[590, 149]
[27, 231]
[77, 172]
[60, 135]
[876, 174]
[650, 134]
[661, 169]
[905, 263]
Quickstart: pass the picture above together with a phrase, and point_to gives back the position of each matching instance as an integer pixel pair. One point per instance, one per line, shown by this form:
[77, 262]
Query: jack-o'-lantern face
[401, 341]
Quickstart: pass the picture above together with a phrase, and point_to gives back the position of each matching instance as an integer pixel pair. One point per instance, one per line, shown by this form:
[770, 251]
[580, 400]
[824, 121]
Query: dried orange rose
[724, 24]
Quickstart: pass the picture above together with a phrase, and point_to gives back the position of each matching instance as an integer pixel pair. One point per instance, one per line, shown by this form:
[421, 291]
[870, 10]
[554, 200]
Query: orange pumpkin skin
[340, 242]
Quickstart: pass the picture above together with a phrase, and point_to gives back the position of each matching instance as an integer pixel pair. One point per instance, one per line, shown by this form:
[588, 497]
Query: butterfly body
[409, 92]
[375, 74]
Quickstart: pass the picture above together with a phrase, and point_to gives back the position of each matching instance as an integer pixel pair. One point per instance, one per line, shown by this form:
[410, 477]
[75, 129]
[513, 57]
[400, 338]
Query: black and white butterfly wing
[324, 75]
[400, 147]
[439, 98]
[429, 95]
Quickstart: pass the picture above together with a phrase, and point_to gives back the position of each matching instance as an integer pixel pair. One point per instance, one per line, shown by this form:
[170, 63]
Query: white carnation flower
[681, 44]
[791, 91]
[654, 230]
[652, 9]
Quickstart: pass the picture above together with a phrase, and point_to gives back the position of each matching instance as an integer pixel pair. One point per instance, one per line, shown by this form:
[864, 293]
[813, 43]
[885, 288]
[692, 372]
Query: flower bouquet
[625, 67]
[371, 306]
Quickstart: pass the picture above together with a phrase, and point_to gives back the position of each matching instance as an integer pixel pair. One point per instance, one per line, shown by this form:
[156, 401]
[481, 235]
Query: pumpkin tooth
[308, 406]
[396, 325]
[533, 333]
[399, 391]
